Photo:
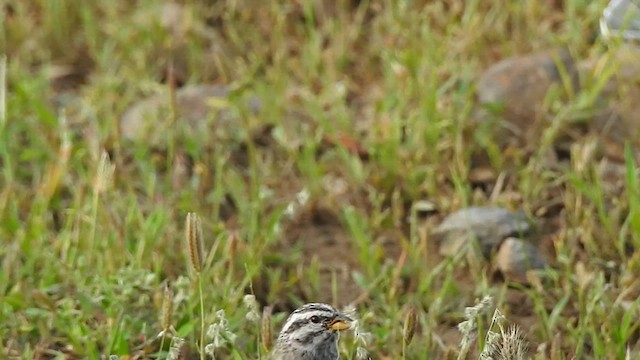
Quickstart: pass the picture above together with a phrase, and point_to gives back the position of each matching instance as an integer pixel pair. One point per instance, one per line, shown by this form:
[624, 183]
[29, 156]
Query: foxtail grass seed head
[514, 346]
[265, 328]
[104, 174]
[193, 230]
[508, 344]
[167, 307]
[410, 324]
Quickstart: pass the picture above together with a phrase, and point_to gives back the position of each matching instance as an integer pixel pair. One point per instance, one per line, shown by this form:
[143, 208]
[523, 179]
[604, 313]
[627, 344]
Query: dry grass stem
[3, 90]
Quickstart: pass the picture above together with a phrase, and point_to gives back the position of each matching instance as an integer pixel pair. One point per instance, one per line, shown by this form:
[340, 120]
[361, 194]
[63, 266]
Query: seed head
[104, 174]
[265, 328]
[193, 231]
[167, 306]
[508, 344]
[410, 324]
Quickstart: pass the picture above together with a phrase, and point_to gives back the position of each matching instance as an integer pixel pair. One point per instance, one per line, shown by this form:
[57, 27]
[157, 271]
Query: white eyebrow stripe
[295, 317]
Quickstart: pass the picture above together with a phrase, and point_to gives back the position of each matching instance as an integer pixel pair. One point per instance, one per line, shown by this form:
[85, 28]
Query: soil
[318, 234]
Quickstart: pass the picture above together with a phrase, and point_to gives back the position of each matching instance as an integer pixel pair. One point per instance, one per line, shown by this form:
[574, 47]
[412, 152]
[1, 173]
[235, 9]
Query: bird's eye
[315, 319]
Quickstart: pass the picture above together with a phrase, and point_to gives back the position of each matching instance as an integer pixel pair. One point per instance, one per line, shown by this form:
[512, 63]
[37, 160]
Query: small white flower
[362, 353]
[340, 88]
[222, 319]
[350, 311]
[213, 331]
[302, 197]
[176, 345]
[249, 300]
[361, 337]
[492, 339]
[209, 349]
[290, 210]
[253, 315]
[219, 333]
[466, 327]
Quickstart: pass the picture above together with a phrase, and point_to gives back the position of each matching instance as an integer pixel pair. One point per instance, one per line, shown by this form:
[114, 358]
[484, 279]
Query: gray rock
[488, 225]
[516, 257]
[625, 92]
[520, 84]
[621, 18]
[200, 110]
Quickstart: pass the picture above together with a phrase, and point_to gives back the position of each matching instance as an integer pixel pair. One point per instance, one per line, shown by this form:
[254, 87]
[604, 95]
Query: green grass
[92, 225]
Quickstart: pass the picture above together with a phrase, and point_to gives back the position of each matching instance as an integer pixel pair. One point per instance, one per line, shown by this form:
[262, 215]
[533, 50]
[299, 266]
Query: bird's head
[311, 333]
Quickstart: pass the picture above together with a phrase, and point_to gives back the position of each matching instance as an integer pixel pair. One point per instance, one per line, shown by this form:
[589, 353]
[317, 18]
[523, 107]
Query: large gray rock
[520, 84]
[488, 225]
[621, 18]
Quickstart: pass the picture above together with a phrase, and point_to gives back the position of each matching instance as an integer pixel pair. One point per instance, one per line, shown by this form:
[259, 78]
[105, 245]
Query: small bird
[311, 333]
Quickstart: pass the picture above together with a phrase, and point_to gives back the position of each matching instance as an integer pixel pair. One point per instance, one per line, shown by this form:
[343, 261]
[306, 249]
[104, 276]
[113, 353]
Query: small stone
[516, 257]
[424, 207]
[488, 225]
[198, 108]
[520, 84]
[482, 174]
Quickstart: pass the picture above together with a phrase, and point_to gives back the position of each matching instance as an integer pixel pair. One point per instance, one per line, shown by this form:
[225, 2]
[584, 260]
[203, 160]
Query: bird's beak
[340, 323]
